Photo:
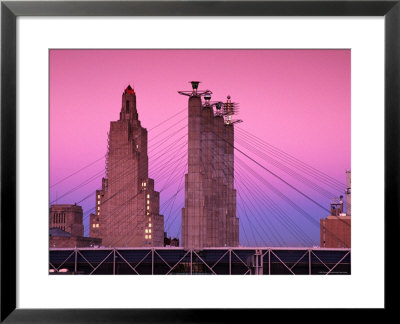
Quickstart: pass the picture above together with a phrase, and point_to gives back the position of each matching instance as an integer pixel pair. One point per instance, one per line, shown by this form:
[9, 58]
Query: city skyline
[296, 100]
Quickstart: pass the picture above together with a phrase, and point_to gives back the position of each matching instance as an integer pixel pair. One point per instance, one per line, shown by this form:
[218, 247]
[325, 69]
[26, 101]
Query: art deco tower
[127, 207]
[209, 216]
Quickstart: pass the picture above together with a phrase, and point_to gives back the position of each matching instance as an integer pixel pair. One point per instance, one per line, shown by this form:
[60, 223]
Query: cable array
[274, 189]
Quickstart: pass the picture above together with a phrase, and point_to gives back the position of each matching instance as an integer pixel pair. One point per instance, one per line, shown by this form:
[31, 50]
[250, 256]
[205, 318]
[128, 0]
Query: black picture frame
[10, 10]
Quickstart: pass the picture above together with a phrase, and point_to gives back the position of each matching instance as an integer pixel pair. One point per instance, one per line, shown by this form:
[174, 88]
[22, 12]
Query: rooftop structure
[67, 217]
[335, 229]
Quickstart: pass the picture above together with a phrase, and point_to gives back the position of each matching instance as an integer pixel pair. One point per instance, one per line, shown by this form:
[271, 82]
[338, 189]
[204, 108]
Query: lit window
[149, 230]
[137, 146]
[98, 207]
[149, 237]
[98, 196]
[148, 202]
[146, 237]
[98, 213]
[146, 230]
[98, 202]
[149, 224]
[144, 184]
[149, 219]
[148, 207]
[94, 225]
[97, 225]
[148, 196]
[147, 213]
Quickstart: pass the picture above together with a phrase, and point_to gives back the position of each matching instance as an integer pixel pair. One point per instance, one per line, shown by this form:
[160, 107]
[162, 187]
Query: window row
[58, 218]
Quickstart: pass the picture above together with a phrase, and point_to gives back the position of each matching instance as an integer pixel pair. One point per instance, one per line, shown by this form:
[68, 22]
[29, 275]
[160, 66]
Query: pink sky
[297, 100]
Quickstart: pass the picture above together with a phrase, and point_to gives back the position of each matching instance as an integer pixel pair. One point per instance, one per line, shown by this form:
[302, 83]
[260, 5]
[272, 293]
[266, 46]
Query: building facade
[336, 232]
[209, 216]
[68, 218]
[127, 206]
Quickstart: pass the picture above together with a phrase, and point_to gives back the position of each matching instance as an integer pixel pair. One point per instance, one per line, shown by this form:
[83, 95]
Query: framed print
[289, 69]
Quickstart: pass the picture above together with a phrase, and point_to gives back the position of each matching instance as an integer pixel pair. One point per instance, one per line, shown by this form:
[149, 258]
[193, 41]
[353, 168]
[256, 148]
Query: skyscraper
[127, 206]
[209, 216]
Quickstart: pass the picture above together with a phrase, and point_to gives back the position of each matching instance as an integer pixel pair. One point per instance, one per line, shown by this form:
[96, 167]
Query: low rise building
[66, 228]
[62, 239]
[335, 230]
[68, 218]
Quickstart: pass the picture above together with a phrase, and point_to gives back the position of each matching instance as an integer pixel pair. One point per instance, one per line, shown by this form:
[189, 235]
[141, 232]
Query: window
[149, 224]
[148, 196]
[146, 230]
[148, 207]
[146, 237]
[97, 225]
[94, 225]
[149, 237]
[149, 230]
[98, 202]
[98, 207]
[147, 213]
[98, 196]
[98, 213]
[148, 202]
[149, 219]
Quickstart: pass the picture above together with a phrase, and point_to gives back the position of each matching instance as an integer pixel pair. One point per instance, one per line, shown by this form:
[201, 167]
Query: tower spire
[128, 109]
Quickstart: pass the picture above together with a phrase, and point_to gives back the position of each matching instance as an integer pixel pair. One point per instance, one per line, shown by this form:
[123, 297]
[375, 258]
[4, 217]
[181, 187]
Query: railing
[208, 261]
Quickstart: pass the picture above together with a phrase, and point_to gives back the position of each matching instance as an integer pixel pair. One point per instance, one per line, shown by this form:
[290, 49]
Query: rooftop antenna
[229, 109]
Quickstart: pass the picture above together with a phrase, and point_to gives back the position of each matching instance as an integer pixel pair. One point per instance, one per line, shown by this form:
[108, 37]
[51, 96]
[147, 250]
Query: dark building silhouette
[168, 242]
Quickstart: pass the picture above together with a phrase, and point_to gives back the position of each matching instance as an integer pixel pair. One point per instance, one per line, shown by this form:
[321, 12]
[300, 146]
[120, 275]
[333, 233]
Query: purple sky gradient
[296, 100]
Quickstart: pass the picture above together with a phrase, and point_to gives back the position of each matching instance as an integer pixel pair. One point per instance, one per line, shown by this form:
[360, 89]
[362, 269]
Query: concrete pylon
[209, 216]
